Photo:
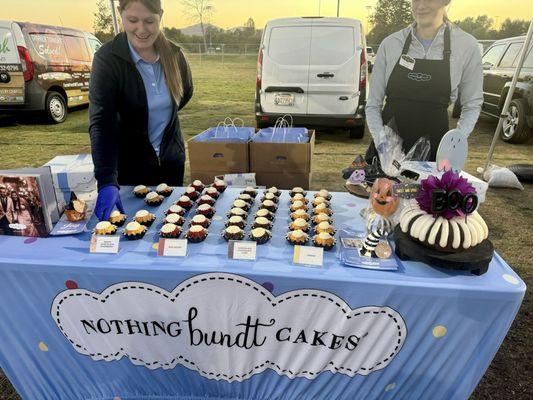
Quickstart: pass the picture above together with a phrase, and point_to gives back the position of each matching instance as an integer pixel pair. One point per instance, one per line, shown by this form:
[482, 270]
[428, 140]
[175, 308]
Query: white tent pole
[509, 98]
[114, 16]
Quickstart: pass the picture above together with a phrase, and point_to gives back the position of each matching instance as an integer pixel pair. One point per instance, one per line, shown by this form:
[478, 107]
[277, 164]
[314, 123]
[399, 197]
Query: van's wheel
[456, 112]
[515, 129]
[358, 132]
[56, 107]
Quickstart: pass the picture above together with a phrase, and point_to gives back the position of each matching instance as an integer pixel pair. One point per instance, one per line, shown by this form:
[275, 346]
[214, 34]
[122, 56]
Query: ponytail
[170, 66]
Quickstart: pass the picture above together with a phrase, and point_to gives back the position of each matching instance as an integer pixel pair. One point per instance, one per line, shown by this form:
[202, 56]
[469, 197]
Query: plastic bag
[227, 131]
[497, 176]
[282, 132]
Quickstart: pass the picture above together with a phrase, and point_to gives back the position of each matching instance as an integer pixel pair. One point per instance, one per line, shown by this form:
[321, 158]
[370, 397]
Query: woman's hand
[108, 198]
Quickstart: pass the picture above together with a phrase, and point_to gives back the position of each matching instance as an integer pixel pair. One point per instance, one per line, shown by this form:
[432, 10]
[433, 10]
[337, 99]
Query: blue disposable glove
[108, 198]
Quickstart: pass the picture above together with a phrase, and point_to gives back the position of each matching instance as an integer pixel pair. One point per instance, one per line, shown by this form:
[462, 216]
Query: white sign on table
[309, 256]
[104, 244]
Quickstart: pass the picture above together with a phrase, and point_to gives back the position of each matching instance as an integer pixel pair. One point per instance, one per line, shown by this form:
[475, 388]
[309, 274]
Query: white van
[314, 69]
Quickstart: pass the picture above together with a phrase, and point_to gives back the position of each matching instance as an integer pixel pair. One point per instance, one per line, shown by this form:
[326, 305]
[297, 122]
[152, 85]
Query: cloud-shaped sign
[229, 327]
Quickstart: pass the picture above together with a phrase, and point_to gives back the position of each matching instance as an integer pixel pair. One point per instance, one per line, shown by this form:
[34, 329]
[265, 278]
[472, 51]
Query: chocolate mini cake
[262, 222]
[263, 212]
[191, 193]
[196, 234]
[145, 218]
[325, 227]
[322, 209]
[153, 199]
[236, 221]
[300, 214]
[198, 185]
[206, 209]
[271, 197]
[164, 190]
[299, 224]
[274, 190]
[105, 228]
[250, 191]
[247, 198]
[201, 220]
[175, 219]
[236, 211]
[324, 240]
[134, 231]
[317, 219]
[170, 231]
[213, 192]
[298, 205]
[241, 204]
[233, 232]
[206, 199]
[141, 191]
[117, 218]
[220, 185]
[185, 202]
[297, 190]
[323, 193]
[260, 235]
[175, 209]
[269, 205]
[297, 237]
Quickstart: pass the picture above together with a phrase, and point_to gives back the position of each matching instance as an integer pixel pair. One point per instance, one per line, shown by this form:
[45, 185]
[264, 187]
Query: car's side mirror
[487, 65]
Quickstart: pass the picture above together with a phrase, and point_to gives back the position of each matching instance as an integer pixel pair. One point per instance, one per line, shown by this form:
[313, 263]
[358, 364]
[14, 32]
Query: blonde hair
[164, 48]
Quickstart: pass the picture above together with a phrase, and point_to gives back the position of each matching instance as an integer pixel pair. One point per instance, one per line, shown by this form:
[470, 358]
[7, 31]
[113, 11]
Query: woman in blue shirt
[139, 82]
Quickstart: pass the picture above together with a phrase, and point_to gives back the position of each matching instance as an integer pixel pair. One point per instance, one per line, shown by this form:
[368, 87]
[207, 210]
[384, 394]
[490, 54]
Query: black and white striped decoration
[371, 241]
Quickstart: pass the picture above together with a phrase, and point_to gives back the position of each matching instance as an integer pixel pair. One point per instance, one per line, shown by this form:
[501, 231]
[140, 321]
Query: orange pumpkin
[381, 198]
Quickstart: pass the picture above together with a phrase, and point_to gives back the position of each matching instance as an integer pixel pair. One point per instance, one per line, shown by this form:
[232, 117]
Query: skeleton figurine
[382, 205]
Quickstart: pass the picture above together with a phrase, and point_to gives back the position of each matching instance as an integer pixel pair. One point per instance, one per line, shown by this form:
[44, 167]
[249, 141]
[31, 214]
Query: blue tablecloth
[305, 333]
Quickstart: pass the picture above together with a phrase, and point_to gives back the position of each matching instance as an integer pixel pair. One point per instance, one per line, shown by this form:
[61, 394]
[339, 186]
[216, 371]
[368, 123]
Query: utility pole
[338, 7]
[114, 16]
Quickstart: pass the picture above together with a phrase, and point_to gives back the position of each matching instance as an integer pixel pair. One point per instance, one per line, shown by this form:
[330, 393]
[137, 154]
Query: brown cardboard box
[293, 158]
[283, 180]
[205, 176]
[217, 158]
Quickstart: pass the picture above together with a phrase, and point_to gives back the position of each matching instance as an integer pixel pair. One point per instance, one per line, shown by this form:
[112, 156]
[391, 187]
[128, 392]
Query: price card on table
[309, 256]
[104, 244]
[172, 248]
[238, 250]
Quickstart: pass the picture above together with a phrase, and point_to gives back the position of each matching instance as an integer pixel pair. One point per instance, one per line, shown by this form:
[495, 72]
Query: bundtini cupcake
[299, 224]
[206, 199]
[185, 202]
[144, 217]
[164, 190]
[198, 185]
[274, 190]
[241, 204]
[201, 220]
[175, 209]
[191, 193]
[299, 214]
[297, 190]
[263, 212]
[250, 191]
[175, 219]
[134, 231]
[141, 191]
[324, 240]
[298, 205]
[117, 218]
[236, 211]
[105, 228]
[153, 199]
[297, 237]
[269, 205]
[206, 209]
[323, 193]
[271, 197]
[246, 197]
[322, 209]
[299, 197]
[220, 185]
[262, 222]
[233, 232]
[213, 192]
[170, 231]
[325, 227]
[320, 200]
[317, 219]
[236, 221]
[260, 235]
[196, 234]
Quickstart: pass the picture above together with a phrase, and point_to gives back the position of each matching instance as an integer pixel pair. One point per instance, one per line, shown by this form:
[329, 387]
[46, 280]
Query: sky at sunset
[231, 13]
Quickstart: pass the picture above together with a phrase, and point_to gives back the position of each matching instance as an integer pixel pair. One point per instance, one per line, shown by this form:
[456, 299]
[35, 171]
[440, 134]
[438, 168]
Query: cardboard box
[283, 180]
[285, 158]
[217, 158]
[73, 173]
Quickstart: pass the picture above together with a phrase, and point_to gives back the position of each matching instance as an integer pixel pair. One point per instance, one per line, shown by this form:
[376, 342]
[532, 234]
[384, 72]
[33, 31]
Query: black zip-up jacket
[118, 122]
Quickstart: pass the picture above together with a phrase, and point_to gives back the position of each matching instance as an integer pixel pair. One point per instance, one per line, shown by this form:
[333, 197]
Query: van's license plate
[284, 99]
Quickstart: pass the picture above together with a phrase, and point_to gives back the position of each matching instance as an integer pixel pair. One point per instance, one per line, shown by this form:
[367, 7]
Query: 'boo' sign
[452, 200]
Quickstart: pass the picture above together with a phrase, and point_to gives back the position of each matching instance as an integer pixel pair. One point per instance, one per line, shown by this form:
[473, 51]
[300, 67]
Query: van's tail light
[27, 64]
[363, 69]
[259, 68]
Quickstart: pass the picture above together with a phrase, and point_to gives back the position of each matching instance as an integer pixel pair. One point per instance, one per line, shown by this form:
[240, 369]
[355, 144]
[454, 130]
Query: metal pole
[114, 16]
[338, 7]
[505, 109]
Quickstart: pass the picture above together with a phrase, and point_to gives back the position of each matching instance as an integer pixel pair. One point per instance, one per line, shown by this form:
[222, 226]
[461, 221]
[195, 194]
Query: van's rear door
[11, 73]
[286, 51]
[334, 70]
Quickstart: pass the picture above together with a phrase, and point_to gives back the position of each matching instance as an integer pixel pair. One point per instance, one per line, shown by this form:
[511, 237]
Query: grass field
[227, 89]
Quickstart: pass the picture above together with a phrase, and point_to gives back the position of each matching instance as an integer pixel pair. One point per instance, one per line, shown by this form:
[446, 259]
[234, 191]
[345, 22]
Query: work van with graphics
[314, 69]
[44, 68]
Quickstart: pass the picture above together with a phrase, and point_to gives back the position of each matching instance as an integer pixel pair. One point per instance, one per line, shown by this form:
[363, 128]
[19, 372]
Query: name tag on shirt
[407, 62]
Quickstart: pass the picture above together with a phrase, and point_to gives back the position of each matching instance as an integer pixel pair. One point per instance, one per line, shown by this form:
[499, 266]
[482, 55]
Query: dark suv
[499, 63]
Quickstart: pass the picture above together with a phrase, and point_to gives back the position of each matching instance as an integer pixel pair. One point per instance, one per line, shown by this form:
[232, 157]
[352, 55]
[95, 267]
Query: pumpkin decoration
[381, 198]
